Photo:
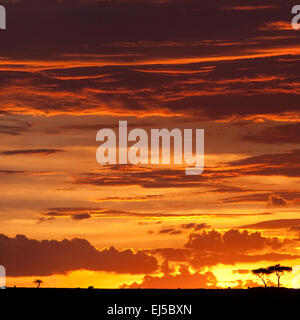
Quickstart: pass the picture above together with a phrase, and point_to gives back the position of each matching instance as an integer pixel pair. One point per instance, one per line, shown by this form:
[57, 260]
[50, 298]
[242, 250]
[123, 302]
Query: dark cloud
[44, 152]
[147, 178]
[134, 66]
[75, 213]
[14, 127]
[281, 198]
[75, 23]
[208, 258]
[194, 226]
[277, 201]
[101, 212]
[278, 164]
[295, 228]
[250, 198]
[81, 216]
[234, 246]
[28, 173]
[12, 172]
[169, 231]
[231, 241]
[274, 224]
[44, 219]
[288, 133]
[187, 226]
[284, 158]
[137, 198]
[184, 279]
[121, 89]
[200, 259]
[173, 254]
[81, 213]
[26, 257]
[96, 127]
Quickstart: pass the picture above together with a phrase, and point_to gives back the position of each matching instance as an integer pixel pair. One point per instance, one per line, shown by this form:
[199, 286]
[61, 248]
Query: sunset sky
[72, 67]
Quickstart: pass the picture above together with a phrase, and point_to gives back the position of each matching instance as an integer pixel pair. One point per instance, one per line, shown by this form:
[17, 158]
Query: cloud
[187, 226]
[184, 279]
[277, 164]
[273, 200]
[145, 177]
[76, 213]
[130, 199]
[211, 248]
[99, 126]
[100, 212]
[284, 197]
[124, 88]
[173, 254]
[200, 260]
[295, 228]
[287, 133]
[277, 201]
[13, 172]
[194, 226]
[273, 224]
[231, 241]
[144, 70]
[81, 216]
[43, 152]
[250, 198]
[284, 158]
[233, 246]
[28, 173]
[27, 257]
[170, 231]
[14, 127]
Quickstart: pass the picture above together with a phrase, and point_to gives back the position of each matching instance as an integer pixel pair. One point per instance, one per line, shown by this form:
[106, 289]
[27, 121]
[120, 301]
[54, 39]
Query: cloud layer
[26, 257]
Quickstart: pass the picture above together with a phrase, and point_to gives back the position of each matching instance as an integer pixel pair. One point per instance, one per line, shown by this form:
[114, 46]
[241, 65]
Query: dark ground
[255, 303]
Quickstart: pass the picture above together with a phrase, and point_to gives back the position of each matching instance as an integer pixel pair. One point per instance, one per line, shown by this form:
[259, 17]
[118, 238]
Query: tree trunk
[264, 282]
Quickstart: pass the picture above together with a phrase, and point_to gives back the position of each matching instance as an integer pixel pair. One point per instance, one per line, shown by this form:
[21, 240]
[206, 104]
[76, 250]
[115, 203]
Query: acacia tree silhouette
[263, 273]
[279, 271]
[38, 282]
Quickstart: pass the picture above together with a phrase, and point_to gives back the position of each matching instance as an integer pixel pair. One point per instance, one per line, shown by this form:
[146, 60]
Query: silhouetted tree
[38, 282]
[279, 271]
[263, 273]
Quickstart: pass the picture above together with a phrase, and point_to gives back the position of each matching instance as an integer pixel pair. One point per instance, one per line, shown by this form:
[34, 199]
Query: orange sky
[230, 70]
